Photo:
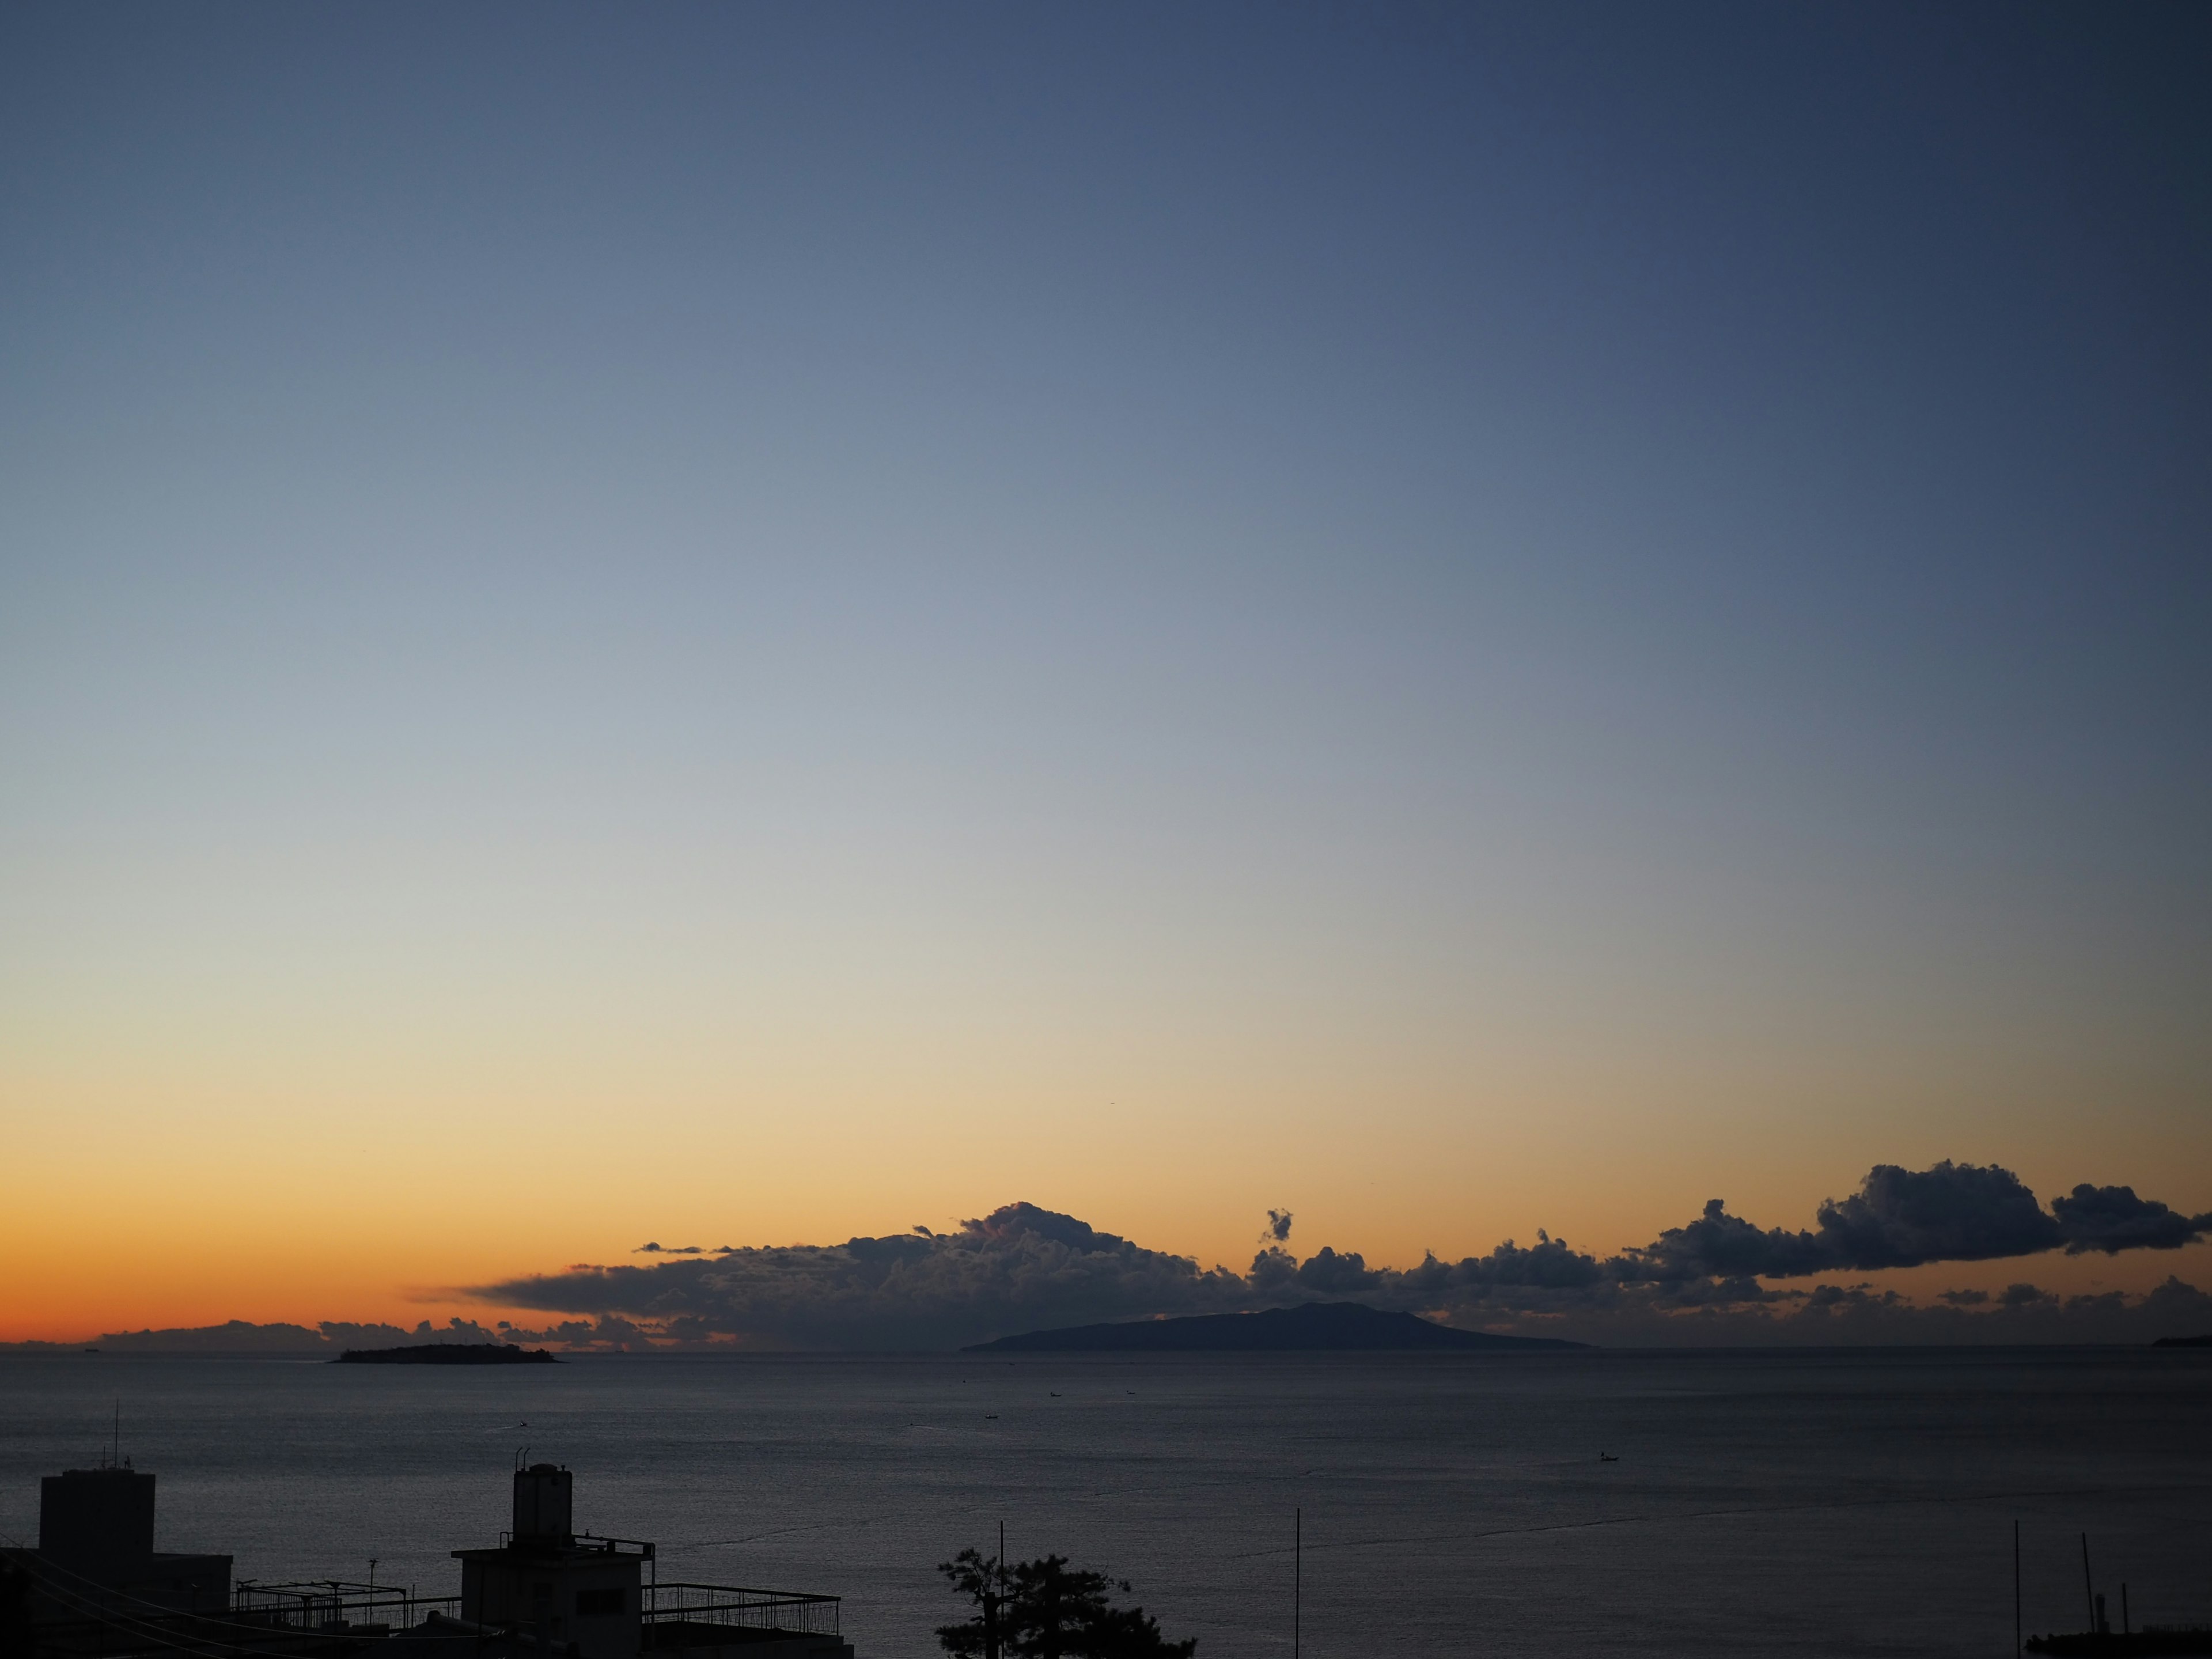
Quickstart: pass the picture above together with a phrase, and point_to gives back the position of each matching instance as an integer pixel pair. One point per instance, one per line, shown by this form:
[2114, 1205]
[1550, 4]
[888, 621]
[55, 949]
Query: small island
[448, 1354]
[1338, 1327]
[2183, 1342]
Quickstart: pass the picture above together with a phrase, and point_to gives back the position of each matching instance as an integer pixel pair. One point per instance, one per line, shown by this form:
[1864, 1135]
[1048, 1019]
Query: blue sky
[1452, 587]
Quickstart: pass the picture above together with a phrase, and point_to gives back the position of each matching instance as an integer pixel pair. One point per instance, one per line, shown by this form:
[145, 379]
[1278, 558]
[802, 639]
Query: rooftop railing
[335, 1604]
[671, 1605]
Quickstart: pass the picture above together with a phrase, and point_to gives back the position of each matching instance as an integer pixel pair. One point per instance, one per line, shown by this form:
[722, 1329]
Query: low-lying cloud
[1017, 1268]
[1903, 1218]
[1024, 1268]
[330, 1338]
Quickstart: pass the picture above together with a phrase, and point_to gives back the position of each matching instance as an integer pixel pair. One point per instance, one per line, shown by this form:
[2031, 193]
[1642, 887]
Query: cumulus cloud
[1024, 1268]
[1902, 1218]
[1015, 1269]
[1716, 1278]
[2112, 1220]
[1897, 1218]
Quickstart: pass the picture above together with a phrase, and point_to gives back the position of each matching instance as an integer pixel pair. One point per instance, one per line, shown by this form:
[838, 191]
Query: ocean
[1835, 1503]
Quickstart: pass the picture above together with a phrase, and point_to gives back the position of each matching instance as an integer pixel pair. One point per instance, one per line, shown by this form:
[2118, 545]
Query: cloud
[1325, 1274]
[1022, 1268]
[1018, 1268]
[241, 1336]
[1717, 1278]
[345, 1335]
[1903, 1217]
[1897, 1218]
[2112, 1220]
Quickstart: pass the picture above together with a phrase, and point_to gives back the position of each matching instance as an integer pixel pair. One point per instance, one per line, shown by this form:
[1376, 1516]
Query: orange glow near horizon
[795, 621]
[128, 1218]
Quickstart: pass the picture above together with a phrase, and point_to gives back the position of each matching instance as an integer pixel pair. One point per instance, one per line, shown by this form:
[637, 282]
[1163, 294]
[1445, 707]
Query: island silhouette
[448, 1354]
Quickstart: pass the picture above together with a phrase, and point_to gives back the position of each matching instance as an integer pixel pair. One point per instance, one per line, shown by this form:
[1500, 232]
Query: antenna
[2088, 1584]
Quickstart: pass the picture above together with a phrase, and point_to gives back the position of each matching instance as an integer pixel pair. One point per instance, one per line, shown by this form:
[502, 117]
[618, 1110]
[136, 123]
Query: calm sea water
[1833, 1502]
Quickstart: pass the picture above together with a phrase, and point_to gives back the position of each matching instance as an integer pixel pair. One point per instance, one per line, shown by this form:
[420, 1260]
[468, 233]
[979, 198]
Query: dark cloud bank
[330, 1338]
[1023, 1269]
[1715, 1281]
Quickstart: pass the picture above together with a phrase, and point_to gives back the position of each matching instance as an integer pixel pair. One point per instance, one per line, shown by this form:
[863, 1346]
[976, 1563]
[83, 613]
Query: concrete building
[550, 1589]
[96, 1550]
[581, 1598]
[96, 1588]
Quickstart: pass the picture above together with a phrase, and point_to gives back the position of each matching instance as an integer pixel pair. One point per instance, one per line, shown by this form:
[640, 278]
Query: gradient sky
[748, 623]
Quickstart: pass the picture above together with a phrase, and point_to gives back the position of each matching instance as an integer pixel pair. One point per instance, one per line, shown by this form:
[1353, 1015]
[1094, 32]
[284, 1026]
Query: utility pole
[2089, 1586]
[2018, 1646]
[994, 1598]
[1297, 1574]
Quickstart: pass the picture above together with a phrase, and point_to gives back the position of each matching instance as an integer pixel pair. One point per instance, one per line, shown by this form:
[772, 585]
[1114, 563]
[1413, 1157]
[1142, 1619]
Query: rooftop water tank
[544, 1504]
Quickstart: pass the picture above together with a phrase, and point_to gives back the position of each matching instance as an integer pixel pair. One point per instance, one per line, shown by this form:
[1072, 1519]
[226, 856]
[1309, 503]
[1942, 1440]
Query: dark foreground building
[96, 1588]
[96, 1537]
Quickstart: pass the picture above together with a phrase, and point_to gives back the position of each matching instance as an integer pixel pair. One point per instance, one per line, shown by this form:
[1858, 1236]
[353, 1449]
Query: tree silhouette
[1044, 1609]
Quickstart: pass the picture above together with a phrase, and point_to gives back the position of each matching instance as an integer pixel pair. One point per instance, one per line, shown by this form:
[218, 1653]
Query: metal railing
[334, 1605]
[614, 1546]
[591, 1540]
[671, 1606]
[331, 1606]
[73, 1618]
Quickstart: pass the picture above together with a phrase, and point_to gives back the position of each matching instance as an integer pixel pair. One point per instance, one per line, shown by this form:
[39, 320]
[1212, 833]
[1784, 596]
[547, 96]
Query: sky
[764, 625]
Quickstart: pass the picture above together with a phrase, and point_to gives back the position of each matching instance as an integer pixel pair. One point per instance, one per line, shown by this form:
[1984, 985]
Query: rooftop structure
[96, 1552]
[583, 1596]
[96, 1588]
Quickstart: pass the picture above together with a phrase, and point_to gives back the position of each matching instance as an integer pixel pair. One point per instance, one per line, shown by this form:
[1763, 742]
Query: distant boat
[92, 1351]
[1606, 1457]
